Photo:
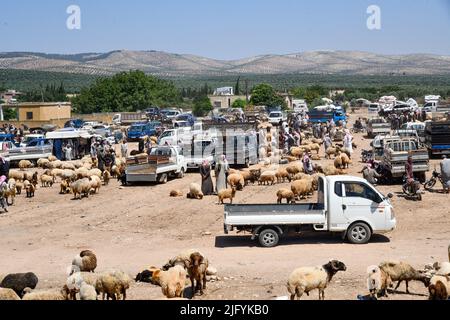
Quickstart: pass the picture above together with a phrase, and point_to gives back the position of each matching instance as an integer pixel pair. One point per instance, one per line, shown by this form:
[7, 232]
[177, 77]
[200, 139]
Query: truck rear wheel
[163, 178]
[359, 233]
[180, 175]
[269, 238]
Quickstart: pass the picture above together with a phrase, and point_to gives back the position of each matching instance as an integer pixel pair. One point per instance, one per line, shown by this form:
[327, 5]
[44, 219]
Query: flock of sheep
[80, 177]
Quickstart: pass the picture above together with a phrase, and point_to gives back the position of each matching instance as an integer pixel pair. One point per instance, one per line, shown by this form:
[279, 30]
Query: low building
[224, 101]
[10, 96]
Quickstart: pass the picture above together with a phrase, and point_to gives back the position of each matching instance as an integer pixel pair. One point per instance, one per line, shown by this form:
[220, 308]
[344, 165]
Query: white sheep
[87, 292]
[8, 294]
[304, 280]
[378, 281]
[172, 282]
[46, 295]
[195, 192]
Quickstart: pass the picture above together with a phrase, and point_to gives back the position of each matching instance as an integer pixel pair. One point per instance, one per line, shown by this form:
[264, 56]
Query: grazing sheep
[283, 175]
[81, 187]
[286, 194]
[439, 288]
[176, 193]
[19, 281]
[378, 281]
[172, 281]
[226, 194]
[195, 192]
[236, 181]
[96, 184]
[401, 271]
[304, 280]
[87, 292]
[268, 177]
[86, 261]
[30, 188]
[46, 295]
[8, 295]
[106, 177]
[25, 164]
[197, 272]
[46, 181]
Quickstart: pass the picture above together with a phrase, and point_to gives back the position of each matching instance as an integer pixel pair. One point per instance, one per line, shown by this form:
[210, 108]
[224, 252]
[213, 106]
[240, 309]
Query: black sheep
[19, 281]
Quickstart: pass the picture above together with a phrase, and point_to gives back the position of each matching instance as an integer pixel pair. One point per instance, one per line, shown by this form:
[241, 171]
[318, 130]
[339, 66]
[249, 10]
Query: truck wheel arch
[259, 229]
[346, 234]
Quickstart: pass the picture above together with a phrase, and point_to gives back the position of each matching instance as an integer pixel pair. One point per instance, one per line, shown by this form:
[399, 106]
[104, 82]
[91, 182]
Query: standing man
[348, 142]
[445, 173]
[124, 149]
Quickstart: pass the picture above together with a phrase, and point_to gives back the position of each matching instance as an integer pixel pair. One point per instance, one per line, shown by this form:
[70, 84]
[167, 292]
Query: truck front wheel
[359, 233]
[269, 238]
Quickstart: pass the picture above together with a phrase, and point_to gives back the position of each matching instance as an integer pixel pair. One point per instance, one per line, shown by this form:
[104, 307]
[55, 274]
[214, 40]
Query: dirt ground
[135, 227]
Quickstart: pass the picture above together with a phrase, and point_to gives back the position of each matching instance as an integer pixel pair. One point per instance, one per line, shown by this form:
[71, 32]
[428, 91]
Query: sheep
[297, 152]
[285, 194]
[64, 187]
[68, 166]
[57, 173]
[172, 281]
[30, 188]
[68, 175]
[57, 164]
[314, 147]
[439, 288]
[81, 187]
[304, 280]
[289, 158]
[176, 193]
[332, 171]
[95, 172]
[401, 271]
[87, 292]
[75, 280]
[345, 161]
[77, 164]
[115, 171]
[19, 281]
[378, 281]
[8, 295]
[52, 159]
[96, 184]
[43, 163]
[11, 191]
[17, 175]
[25, 164]
[226, 194]
[197, 272]
[123, 282]
[282, 175]
[182, 259]
[293, 169]
[86, 261]
[46, 295]
[195, 192]
[317, 141]
[46, 181]
[338, 162]
[19, 187]
[268, 177]
[236, 180]
[332, 151]
[146, 276]
[301, 188]
[106, 177]
[82, 173]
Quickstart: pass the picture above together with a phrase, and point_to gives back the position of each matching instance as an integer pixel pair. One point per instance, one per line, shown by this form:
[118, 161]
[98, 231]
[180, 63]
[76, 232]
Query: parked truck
[437, 137]
[128, 118]
[162, 163]
[378, 126]
[346, 205]
[35, 150]
[318, 116]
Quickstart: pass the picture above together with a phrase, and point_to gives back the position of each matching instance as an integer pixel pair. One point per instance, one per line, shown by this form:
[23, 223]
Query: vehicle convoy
[162, 163]
[128, 118]
[437, 137]
[346, 205]
[396, 153]
[378, 126]
[324, 116]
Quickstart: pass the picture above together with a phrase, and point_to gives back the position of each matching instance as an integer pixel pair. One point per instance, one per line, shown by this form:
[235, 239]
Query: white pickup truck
[347, 205]
[162, 163]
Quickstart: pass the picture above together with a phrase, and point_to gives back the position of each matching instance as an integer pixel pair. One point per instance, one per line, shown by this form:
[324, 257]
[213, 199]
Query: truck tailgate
[271, 214]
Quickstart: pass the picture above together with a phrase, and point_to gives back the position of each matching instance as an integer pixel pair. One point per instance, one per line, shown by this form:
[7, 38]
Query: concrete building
[224, 102]
[10, 96]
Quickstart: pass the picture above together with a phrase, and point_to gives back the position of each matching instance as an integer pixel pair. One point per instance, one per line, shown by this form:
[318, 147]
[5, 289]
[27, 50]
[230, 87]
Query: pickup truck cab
[174, 137]
[347, 205]
[159, 166]
[199, 151]
[29, 138]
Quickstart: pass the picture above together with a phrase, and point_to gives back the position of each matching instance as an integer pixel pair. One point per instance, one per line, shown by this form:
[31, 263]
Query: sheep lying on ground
[268, 177]
[378, 281]
[181, 259]
[285, 194]
[195, 192]
[46, 295]
[226, 194]
[146, 275]
[236, 181]
[86, 261]
[172, 281]
[401, 271]
[176, 193]
[197, 272]
[19, 281]
[304, 280]
[8, 294]
[439, 288]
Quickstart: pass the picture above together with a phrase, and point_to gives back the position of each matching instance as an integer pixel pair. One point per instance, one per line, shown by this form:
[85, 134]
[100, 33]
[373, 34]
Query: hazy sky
[226, 29]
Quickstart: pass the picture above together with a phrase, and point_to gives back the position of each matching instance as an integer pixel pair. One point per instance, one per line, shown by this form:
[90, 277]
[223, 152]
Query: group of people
[398, 120]
[103, 153]
[222, 169]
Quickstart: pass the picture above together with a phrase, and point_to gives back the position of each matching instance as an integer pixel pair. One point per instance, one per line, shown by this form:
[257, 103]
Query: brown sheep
[106, 177]
[268, 177]
[297, 152]
[86, 261]
[289, 158]
[64, 187]
[293, 169]
[301, 188]
[285, 194]
[282, 175]
[338, 162]
[25, 164]
[176, 193]
[402, 271]
[251, 176]
[332, 151]
[30, 188]
[314, 147]
[172, 281]
[236, 180]
[226, 194]
[19, 187]
[46, 181]
[197, 272]
[439, 288]
[345, 160]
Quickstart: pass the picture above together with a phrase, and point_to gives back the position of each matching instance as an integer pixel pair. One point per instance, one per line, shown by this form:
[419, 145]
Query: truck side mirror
[390, 196]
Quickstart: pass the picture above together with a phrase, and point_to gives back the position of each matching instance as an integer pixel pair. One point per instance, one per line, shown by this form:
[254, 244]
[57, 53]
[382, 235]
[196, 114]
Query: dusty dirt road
[135, 227]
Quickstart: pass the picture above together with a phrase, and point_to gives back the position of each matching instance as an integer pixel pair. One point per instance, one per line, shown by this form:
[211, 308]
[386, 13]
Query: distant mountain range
[176, 65]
